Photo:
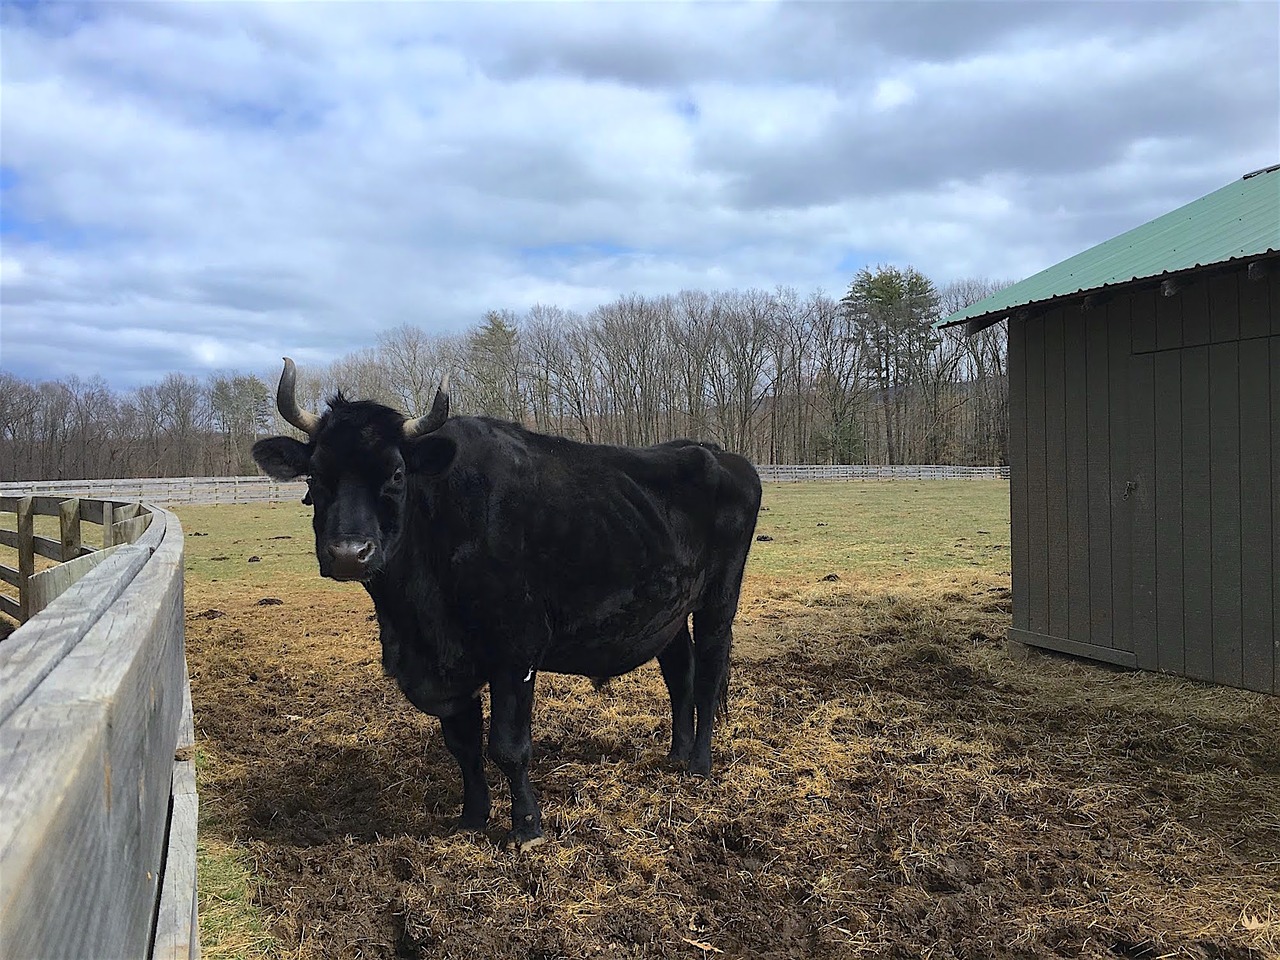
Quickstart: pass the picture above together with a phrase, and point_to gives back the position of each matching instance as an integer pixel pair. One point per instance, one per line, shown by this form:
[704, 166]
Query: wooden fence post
[69, 522]
[26, 555]
[108, 518]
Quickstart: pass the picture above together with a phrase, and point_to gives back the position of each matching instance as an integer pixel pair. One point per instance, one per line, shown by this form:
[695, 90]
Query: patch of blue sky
[57, 19]
[20, 227]
[687, 107]
[851, 261]
[297, 115]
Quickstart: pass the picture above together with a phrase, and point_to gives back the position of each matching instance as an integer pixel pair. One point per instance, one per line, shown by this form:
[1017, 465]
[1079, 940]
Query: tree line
[780, 376]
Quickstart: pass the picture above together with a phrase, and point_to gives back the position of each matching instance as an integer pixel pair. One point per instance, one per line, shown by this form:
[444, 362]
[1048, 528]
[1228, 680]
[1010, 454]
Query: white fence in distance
[788, 472]
[167, 491]
[223, 490]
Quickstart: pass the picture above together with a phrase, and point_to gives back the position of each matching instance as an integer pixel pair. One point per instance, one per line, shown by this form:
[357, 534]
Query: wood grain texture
[36, 647]
[1124, 658]
[82, 839]
[47, 585]
[69, 526]
[177, 925]
[24, 542]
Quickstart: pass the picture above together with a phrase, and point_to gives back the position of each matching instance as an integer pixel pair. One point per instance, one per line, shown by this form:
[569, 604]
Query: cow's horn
[304, 420]
[435, 419]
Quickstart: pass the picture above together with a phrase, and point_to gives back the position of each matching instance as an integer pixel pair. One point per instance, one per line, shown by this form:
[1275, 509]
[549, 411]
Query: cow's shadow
[369, 791]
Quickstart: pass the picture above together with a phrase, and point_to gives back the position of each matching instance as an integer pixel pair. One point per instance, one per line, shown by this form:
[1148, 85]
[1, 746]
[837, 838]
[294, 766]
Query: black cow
[492, 552]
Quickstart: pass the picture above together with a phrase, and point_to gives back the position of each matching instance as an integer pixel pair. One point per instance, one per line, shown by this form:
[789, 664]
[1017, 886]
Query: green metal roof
[1240, 220]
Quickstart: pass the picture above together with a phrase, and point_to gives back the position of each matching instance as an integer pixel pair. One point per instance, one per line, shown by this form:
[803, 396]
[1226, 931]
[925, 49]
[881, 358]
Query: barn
[1144, 442]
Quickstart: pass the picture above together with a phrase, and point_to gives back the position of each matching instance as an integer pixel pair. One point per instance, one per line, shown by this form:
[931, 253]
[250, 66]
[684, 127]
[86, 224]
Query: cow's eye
[315, 489]
[398, 476]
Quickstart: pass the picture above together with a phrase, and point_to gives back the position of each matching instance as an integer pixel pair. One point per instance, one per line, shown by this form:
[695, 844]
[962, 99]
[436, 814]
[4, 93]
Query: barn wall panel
[1168, 484]
[1194, 301]
[1255, 313]
[1018, 543]
[1076, 502]
[1168, 320]
[1037, 490]
[1119, 344]
[1143, 305]
[1196, 495]
[1143, 509]
[1098, 478]
[1224, 307]
[1055, 421]
[1224, 520]
[1273, 571]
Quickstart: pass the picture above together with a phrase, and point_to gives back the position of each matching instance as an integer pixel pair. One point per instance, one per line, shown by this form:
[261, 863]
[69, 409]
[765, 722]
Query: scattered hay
[888, 784]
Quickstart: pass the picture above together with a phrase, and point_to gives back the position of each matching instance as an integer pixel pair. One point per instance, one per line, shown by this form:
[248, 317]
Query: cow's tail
[722, 702]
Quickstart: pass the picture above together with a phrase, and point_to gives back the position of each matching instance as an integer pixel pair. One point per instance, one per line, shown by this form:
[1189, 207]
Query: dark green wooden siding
[1145, 465]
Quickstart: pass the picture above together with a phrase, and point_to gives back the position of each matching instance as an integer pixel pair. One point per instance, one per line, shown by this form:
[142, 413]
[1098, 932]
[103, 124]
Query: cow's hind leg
[464, 736]
[510, 747]
[676, 661]
[713, 638]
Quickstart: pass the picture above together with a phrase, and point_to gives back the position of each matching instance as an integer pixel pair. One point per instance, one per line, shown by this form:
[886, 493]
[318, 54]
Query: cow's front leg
[510, 746]
[464, 736]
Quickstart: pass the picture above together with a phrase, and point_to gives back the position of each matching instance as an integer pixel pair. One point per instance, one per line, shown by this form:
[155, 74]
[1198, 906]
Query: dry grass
[888, 783]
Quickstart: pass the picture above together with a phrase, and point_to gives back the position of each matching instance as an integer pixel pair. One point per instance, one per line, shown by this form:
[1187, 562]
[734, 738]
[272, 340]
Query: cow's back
[607, 548]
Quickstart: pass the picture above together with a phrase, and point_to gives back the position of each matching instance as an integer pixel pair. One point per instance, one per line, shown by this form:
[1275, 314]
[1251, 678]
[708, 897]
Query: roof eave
[1024, 311]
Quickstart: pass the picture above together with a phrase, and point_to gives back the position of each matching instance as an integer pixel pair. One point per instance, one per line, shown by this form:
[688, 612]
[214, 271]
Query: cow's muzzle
[350, 559]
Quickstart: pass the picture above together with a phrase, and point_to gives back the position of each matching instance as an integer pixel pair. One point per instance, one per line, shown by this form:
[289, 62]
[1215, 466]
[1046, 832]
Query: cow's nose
[351, 558]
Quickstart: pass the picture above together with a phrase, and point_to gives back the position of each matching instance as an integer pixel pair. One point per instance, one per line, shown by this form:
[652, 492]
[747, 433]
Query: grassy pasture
[888, 783]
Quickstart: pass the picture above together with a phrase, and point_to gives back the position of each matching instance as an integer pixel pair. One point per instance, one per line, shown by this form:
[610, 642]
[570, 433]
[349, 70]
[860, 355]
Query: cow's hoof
[522, 841]
[700, 768]
[471, 825]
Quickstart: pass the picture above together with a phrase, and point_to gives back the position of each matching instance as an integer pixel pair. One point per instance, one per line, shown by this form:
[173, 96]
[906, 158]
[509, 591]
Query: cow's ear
[430, 456]
[282, 458]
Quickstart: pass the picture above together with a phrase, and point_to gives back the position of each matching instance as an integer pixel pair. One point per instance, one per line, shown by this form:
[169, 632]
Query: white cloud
[193, 186]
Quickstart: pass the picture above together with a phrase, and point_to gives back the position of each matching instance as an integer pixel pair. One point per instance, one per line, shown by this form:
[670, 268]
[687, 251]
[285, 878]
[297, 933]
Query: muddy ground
[889, 784]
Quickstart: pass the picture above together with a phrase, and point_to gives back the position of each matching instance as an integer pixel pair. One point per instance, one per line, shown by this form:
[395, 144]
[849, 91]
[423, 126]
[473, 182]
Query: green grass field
[865, 528]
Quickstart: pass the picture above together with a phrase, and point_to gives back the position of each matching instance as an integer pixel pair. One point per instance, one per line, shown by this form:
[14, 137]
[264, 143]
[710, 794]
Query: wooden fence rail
[97, 783]
[121, 523]
[782, 473]
[175, 490]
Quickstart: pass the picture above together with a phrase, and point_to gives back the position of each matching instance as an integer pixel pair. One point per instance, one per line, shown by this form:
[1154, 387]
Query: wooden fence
[789, 472]
[121, 523]
[167, 491]
[97, 781]
[175, 490]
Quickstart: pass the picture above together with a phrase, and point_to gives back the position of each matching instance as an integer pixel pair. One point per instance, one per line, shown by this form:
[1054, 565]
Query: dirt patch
[887, 784]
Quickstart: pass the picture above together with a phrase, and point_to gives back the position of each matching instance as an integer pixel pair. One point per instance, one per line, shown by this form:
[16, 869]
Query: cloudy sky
[209, 186]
